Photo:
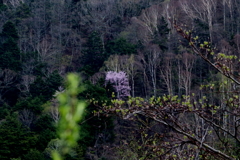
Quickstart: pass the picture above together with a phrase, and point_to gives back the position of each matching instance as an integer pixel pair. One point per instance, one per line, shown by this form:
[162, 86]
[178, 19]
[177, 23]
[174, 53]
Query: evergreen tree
[44, 88]
[33, 154]
[120, 47]
[161, 38]
[45, 128]
[30, 103]
[2, 6]
[15, 140]
[9, 54]
[9, 30]
[94, 55]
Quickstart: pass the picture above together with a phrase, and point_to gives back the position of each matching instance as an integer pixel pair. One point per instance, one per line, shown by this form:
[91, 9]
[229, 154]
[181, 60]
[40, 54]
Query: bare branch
[204, 50]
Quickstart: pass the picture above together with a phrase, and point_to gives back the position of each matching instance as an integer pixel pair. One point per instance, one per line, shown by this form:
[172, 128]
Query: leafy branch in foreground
[190, 122]
[71, 112]
[221, 62]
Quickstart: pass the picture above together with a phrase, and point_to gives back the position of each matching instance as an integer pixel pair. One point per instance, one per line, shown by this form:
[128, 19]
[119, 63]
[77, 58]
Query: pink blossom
[120, 83]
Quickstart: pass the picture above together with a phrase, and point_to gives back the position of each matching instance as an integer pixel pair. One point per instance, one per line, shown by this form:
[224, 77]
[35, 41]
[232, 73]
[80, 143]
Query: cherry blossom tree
[120, 83]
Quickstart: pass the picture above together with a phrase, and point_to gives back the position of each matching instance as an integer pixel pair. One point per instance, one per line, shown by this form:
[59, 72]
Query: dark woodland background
[43, 40]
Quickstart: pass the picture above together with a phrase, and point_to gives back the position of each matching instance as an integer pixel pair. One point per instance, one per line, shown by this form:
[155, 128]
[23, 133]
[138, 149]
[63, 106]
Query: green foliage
[9, 53]
[94, 54]
[39, 88]
[15, 140]
[45, 129]
[93, 91]
[120, 47]
[71, 111]
[45, 88]
[54, 81]
[43, 123]
[33, 104]
[4, 110]
[33, 154]
[44, 137]
[40, 68]
[53, 145]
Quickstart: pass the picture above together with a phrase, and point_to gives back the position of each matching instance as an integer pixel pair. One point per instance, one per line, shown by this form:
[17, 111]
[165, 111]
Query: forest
[160, 78]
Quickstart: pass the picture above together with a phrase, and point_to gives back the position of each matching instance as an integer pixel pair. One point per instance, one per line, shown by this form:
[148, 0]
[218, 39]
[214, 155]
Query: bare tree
[8, 79]
[25, 83]
[166, 71]
[43, 49]
[96, 77]
[205, 10]
[186, 67]
[230, 4]
[147, 23]
[227, 9]
[54, 113]
[220, 61]
[146, 83]
[13, 3]
[152, 62]
[114, 63]
[237, 43]
[132, 68]
[26, 117]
